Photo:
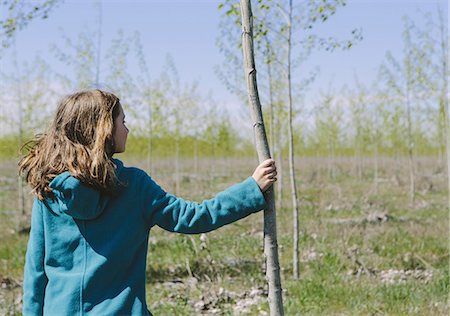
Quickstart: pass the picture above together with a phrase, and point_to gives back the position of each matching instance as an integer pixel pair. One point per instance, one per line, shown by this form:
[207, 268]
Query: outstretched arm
[178, 215]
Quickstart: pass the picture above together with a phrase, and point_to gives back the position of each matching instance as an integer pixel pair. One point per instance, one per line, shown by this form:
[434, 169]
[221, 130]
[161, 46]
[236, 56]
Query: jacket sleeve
[35, 280]
[178, 215]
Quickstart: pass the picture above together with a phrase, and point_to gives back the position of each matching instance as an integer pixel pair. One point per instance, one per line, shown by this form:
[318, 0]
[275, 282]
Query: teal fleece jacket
[87, 252]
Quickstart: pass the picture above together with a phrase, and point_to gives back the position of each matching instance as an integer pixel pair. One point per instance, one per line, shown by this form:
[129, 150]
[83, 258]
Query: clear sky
[187, 30]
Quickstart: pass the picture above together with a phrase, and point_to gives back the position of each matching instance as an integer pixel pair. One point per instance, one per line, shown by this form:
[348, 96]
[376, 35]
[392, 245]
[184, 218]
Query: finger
[268, 170]
[271, 167]
[267, 162]
[269, 182]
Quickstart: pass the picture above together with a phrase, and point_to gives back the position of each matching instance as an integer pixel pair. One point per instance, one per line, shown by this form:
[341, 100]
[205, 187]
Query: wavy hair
[79, 140]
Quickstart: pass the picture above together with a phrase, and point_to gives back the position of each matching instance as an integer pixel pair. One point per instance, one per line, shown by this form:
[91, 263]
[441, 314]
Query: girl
[92, 216]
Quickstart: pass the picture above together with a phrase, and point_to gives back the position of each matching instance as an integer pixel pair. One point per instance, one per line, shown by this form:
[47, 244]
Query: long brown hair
[80, 140]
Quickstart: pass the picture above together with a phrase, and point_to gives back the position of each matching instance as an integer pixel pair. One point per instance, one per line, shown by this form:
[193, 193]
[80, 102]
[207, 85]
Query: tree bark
[279, 162]
[271, 107]
[444, 96]
[412, 178]
[150, 139]
[196, 179]
[20, 187]
[275, 136]
[99, 44]
[270, 229]
[375, 167]
[295, 261]
[177, 165]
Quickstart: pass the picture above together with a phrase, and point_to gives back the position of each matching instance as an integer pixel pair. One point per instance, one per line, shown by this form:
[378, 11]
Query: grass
[347, 267]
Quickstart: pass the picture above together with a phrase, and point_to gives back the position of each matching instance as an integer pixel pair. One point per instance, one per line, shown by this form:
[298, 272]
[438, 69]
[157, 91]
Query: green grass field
[363, 250]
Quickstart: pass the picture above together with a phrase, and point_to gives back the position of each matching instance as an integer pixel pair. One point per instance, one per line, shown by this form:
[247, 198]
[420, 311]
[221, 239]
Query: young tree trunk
[262, 146]
[274, 135]
[375, 169]
[196, 179]
[99, 44]
[331, 161]
[360, 161]
[21, 196]
[447, 138]
[177, 165]
[375, 166]
[291, 152]
[271, 108]
[150, 140]
[412, 178]
[444, 93]
[443, 99]
[279, 162]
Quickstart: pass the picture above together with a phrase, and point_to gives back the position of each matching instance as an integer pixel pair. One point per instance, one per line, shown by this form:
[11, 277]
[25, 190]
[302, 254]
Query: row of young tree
[403, 113]
[404, 109]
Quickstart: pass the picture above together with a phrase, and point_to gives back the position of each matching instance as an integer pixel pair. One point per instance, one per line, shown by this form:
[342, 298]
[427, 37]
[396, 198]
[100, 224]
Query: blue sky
[187, 30]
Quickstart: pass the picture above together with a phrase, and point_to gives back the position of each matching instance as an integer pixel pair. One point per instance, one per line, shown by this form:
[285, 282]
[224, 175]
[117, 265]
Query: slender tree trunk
[150, 139]
[444, 93]
[443, 100]
[412, 179]
[447, 145]
[177, 165]
[279, 194]
[99, 43]
[319, 158]
[271, 109]
[291, 152]
[213, 164]
[274, 140]
[375, 167]
[360, 160]
[447, 137]
[196, 162]
[21, 196]
[177, 155]
[270, 228]
[331, 161]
